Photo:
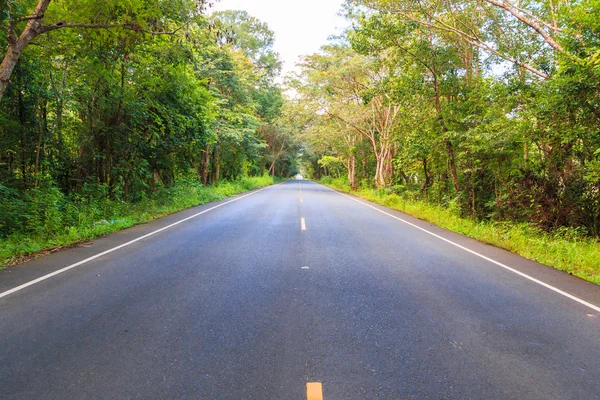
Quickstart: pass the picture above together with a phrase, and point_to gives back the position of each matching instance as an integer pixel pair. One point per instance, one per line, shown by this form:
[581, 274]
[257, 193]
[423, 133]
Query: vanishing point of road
[295, 292]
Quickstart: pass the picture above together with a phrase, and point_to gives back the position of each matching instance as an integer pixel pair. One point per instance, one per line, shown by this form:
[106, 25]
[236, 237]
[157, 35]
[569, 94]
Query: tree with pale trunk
[491, 26]
[141, 17]
[345, 87]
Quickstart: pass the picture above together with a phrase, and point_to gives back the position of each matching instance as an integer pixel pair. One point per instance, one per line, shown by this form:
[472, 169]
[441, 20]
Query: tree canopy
[126, 97]
[493, 106]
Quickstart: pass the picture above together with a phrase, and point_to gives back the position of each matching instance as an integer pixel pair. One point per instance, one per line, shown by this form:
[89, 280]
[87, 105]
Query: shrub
[393, 200]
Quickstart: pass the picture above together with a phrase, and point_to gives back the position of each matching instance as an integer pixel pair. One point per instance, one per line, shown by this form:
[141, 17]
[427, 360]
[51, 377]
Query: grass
[64, 223]
[564, 249]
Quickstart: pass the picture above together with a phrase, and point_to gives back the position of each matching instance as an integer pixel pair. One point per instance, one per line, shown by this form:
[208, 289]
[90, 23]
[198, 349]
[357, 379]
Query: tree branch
[475, 41]
[529, 22]
[31, 17]
[127, 26]
[535, 17]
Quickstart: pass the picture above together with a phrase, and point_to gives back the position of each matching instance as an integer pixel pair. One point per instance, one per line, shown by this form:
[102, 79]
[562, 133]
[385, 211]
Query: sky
[301, 27]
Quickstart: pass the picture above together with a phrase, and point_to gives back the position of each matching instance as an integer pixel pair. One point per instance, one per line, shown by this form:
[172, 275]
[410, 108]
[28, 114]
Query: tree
[251, 36]
[21, 27]
[348, 87]
[493, 106]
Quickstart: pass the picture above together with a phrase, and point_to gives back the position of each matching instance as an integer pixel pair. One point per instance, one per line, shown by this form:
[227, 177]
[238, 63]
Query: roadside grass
[64, 223]
[563, 249]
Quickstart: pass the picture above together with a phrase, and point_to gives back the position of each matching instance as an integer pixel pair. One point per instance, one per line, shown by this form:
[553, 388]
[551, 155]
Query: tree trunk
[352, 171]
[449, 146]
[452, 164]
[218, 165]
[23, 138]
[383, 166]
[427, 183]
[124, 61]
[42, 127]
[16, 46]
[405, 177]
[389, 167]
[206, 165]
[379, 171]
[7, 67]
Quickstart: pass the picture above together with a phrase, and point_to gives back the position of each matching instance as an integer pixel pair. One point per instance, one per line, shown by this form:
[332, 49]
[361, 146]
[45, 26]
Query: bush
[393, 200]
[13, 210]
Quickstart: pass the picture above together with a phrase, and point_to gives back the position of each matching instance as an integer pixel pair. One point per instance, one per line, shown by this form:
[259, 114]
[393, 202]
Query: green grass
[564, 249]
[62, 223]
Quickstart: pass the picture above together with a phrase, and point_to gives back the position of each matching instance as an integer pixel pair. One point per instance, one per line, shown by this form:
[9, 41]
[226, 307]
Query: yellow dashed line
[314, 391]
[303, 223]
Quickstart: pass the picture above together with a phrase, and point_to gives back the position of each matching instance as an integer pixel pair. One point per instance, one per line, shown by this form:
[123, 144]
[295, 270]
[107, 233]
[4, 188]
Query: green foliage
[499, 130]
[151, 107]
[331, 165]
[497, 118]
[249, 35]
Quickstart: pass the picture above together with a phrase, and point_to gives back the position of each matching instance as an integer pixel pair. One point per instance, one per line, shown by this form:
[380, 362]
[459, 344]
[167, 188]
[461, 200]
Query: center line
[301, 201]
[314, 391]
[303, 223]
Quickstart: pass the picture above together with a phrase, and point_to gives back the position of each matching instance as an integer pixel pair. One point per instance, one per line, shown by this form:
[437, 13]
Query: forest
[485, 111]
[118, 108]
[492, 105]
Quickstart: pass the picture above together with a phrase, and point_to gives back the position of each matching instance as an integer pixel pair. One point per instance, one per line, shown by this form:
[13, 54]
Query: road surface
[295, 292]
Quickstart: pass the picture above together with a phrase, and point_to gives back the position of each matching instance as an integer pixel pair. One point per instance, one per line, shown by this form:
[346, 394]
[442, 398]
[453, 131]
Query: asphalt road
[295, 284]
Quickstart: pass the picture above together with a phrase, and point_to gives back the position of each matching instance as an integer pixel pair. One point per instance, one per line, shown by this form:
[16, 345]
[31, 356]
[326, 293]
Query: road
[291, 285]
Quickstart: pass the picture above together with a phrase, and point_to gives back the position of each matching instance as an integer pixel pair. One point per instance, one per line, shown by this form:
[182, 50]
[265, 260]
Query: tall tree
[24, 22]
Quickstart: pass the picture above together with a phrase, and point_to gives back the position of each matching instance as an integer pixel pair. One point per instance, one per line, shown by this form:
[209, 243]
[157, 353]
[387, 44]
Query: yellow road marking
[314, 391]
[301, 201]
[303, 223]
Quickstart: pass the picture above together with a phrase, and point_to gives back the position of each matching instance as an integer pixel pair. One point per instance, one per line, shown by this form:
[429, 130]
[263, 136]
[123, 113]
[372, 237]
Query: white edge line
[544, 284]
[77, 264]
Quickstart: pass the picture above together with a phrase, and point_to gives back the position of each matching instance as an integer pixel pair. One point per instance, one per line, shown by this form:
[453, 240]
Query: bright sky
[301, 27]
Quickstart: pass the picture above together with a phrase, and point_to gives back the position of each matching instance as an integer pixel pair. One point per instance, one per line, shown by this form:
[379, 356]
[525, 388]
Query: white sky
[301, 27]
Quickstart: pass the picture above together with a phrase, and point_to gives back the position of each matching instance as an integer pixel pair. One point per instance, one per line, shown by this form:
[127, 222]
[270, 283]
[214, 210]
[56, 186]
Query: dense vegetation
[108, 108]
[480, 116]
[490, 108]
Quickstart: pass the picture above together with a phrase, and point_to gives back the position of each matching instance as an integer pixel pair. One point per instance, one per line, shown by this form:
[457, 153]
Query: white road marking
[544, 284]
[303, 223]
[77, 264]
